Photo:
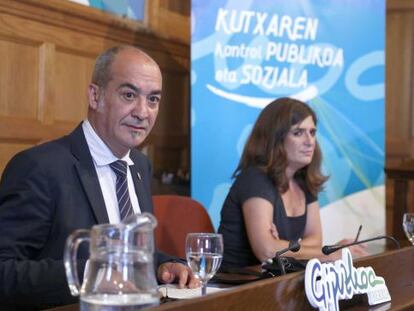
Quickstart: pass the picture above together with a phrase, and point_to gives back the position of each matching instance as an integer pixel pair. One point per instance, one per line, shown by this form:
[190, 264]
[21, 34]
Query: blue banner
[329, 54]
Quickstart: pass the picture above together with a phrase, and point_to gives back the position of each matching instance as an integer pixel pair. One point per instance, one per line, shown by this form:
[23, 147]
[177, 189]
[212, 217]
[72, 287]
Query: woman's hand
[273, 231]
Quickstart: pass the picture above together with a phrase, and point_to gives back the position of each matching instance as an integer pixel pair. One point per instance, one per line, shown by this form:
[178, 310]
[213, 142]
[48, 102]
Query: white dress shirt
[102, 156]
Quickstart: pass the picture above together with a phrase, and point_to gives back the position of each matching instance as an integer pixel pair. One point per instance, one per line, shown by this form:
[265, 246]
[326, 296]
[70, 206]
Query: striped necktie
[124, 201]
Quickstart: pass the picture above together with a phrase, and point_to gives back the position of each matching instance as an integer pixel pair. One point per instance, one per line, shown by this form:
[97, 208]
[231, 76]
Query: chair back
[177, 216]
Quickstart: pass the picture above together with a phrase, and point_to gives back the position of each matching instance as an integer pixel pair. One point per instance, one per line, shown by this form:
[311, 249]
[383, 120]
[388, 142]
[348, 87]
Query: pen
[359, 231]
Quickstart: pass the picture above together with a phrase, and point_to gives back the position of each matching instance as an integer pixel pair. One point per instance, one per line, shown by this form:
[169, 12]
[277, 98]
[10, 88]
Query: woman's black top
[253, 182]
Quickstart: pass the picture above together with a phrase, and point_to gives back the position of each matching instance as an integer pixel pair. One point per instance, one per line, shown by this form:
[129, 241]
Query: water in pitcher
[120, 274]
[130, 302]
[126, 282]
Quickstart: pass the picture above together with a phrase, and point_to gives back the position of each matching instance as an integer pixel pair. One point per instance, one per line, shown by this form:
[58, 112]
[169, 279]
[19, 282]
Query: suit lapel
[142, 194]
[88, 176]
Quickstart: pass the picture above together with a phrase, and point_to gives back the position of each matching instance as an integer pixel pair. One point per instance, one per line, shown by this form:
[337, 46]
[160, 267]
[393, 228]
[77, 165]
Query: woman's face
[300, 144]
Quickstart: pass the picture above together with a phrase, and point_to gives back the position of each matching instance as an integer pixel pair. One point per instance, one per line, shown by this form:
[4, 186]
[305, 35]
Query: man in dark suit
[49, 191]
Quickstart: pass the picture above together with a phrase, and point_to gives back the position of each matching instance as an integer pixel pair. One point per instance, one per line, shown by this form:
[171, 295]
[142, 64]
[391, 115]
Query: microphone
[329, 249]
[293, 246]
[278, 264]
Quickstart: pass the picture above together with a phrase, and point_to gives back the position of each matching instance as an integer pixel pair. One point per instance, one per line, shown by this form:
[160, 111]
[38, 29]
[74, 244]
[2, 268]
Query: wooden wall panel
[18, 79]
[172, 118]
[46, 83]
[173, 108]
[73, 75]
[171, 18]
[400, 82]
[399, 93]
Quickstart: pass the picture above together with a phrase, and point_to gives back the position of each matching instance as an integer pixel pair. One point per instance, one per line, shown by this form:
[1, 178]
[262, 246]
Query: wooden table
[288, 293]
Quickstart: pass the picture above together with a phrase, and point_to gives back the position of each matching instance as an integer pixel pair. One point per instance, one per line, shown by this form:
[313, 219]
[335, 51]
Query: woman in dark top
[274, 197]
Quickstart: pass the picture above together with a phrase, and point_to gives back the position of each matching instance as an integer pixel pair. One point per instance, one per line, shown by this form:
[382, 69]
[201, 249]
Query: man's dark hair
[102, 70]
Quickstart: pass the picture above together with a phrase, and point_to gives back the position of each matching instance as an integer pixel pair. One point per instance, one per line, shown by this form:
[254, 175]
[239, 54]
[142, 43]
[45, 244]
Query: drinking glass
[408, 225]
[204, 253]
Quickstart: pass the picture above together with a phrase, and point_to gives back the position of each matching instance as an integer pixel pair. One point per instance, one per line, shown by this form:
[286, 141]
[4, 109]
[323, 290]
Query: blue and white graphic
[329, 54]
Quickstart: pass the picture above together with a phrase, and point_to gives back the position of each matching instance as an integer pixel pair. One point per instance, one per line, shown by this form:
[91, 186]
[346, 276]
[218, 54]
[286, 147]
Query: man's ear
[93, 96]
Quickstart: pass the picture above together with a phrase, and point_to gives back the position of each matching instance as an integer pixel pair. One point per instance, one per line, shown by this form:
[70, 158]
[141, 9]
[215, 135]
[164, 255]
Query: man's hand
[173, 271]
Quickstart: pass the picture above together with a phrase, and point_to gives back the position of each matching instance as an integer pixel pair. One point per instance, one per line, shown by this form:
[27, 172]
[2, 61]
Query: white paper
[172, 291]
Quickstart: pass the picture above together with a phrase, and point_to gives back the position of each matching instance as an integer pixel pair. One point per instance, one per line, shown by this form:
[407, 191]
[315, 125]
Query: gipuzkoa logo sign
[327, 283]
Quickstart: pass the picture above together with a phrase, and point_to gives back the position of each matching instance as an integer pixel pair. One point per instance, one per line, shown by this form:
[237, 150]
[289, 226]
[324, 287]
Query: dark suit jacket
[46, 193]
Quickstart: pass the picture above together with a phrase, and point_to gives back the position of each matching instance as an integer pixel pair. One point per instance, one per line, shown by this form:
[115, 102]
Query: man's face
[124, 112]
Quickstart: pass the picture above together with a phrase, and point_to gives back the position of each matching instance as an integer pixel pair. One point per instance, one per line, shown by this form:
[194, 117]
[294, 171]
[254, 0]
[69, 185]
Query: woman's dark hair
[265, 148]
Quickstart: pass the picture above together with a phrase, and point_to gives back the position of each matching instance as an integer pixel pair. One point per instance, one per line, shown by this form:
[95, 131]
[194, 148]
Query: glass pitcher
[119, 274]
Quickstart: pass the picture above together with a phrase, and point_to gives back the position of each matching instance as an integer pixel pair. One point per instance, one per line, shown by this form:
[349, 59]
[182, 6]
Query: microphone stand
[280, 264]
[294, 246]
